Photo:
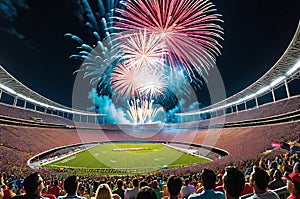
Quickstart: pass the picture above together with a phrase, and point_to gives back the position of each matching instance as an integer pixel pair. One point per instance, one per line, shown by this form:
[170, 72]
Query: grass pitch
[149, 157]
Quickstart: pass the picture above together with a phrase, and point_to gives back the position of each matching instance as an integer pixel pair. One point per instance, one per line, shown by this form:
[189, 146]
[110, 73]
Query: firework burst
[125, 80]
[186, 27]
[140, 49]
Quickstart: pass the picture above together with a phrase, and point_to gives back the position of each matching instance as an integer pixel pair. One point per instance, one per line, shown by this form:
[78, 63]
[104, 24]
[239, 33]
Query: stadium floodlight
[11, 91]
[277, 81]
[262, 90]
[293, 69]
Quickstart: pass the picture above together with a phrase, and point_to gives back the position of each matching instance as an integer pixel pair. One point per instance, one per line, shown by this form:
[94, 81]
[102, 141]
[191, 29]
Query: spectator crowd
[245, 179]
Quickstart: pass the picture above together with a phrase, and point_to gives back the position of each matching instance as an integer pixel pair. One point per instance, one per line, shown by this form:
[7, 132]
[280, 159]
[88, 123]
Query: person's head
[135, 182]
[11, 185]
[186, 182]
[273, 165]
[277, 174]
[208, 177]
[174, 185]
[296, 167]
[55, 182]
[154, 184]
[119, 183]
[103, 192]
[143, 184]
[234, 181]
[33, 184]
[259, 179]
[293, 183]
[71, 185]
[146, 192]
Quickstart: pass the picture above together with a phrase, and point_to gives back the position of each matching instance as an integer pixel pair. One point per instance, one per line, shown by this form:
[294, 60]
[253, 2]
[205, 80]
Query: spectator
[120, 191]
[293, 185]
[233, 182]
[104, 192]
[33, 186]
[8, 192]
[273, 168]
[56, 189]
[174, 185]
[146, 192]
[277, 182]
[208, 179]
[131, 193]
[156, 189]
[219, 182]
[71, 187]
[259, 180]
[187, 189]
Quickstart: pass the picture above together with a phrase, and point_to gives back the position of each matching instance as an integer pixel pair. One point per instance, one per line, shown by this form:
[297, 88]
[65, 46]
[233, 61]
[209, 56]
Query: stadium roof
[15, 88]
[284, 70]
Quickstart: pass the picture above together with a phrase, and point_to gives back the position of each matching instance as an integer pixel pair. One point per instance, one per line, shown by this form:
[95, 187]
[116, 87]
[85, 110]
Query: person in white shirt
[187, 189]
[131, 192]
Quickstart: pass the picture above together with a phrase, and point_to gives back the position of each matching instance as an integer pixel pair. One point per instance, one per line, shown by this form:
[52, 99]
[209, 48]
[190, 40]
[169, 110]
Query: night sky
[35, 51]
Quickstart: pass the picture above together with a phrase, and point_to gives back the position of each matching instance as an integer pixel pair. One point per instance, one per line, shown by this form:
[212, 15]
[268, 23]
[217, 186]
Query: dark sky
[33, 47]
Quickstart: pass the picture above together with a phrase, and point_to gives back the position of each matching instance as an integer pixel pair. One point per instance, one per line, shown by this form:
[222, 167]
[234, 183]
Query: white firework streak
[141, 49]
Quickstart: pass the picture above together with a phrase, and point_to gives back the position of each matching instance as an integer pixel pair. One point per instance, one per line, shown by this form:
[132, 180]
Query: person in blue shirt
[208, 178]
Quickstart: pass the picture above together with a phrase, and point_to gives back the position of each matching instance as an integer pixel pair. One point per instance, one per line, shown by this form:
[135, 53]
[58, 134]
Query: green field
[105, 156]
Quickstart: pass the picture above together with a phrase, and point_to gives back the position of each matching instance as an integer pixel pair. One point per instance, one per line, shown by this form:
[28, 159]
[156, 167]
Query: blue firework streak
[96, 57]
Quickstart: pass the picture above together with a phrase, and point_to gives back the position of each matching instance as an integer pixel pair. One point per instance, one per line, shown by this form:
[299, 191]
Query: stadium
[37, 133]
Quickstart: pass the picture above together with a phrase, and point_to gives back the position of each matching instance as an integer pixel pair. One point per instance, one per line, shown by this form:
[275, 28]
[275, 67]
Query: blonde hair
[103, 192]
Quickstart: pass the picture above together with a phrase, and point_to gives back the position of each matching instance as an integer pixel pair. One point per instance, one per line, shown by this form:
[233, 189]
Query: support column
[245, 105]
[287, 89]
[45, 110]
[236, 106]
[25, 103]
[79, 118]
[231, 107]
[256, 102]
[15, 101]
[0, 94]
[273, 95]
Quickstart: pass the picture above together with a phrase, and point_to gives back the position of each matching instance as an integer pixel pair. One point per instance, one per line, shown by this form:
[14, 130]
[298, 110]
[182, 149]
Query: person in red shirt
[293, 185]
[8, 192]
[56, 189]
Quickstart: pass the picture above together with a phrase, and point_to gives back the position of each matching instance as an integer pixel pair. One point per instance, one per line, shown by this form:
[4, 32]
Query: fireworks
[156, 45]
[125, 80]
[140, 49]
[186, 27]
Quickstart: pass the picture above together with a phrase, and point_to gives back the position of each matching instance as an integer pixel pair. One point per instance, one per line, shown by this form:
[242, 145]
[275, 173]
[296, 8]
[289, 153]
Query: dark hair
[186, 182]
[277, 174]
[146, 192]
[234, 181]
[32, 182]
[71, 184]
[55, 182]
[119, 183]
[143, 184]
[174, 185]
[260, 177]
[135, 182]
[208, 178]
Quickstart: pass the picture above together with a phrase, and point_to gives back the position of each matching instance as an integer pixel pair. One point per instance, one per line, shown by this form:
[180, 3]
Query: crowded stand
[248, 152]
